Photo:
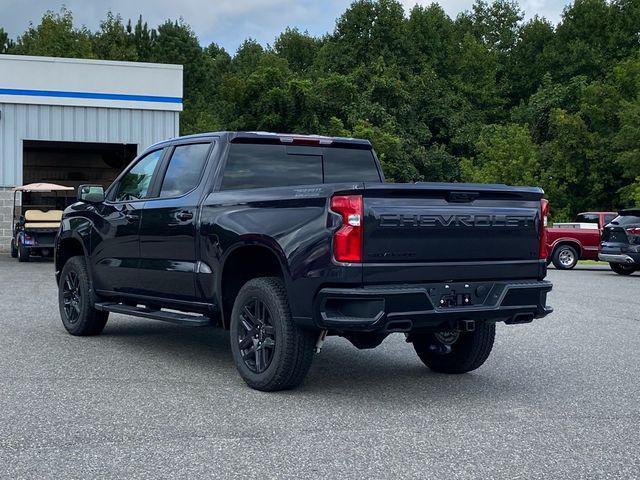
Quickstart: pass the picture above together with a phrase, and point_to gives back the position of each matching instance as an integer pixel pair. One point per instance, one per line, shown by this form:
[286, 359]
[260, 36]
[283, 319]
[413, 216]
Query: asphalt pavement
[558, 398]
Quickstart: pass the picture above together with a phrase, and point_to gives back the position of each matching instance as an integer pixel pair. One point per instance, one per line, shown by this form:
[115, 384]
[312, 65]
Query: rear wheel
[75, 300]
[270, 351]
[14, 249]
[565, 257]
[622, 269]
[23, 252]
[456, 352]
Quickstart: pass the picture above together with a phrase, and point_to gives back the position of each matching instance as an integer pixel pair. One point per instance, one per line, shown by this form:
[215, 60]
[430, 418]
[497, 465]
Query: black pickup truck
[285, 239]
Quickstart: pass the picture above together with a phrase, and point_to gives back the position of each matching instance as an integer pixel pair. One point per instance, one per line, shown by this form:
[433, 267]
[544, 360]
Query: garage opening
[74, 163]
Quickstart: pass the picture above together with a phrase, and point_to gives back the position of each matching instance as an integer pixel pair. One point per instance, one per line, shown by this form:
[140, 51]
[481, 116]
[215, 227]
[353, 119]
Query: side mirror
[91, 193]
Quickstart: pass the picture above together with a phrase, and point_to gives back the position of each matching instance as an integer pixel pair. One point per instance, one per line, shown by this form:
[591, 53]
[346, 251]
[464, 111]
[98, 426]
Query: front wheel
[622, 269]
[270, 351]
[565, 257]
[75, 300]
[456, 352]
[24, 253]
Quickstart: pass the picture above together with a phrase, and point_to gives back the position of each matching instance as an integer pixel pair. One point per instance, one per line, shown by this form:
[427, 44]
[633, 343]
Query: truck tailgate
[426, 232]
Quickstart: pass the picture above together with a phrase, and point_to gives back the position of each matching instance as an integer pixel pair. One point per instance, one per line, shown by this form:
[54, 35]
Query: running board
[171, 317]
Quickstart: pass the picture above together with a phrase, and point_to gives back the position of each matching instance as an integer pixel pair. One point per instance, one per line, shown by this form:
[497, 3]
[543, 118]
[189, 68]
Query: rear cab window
[184, 170]
[267, 165]
[587, 218]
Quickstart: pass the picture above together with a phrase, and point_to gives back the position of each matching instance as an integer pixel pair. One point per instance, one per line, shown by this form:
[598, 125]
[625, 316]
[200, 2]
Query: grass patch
[590, 262]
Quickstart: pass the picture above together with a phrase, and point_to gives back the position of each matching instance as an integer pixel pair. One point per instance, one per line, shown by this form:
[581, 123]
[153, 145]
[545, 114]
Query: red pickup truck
[580, 240]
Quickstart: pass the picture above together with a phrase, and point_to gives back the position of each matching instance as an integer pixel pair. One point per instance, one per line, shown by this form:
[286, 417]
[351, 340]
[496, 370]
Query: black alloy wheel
[256, 335]
[270, 350]
[76, 301]
[71, 297]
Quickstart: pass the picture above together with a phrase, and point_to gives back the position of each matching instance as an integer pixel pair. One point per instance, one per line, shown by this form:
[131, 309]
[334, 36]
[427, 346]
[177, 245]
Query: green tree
[505, 154]
[6, 44]
[299, 49]
[114, 41]
[175, 42]
[484, 96]
[56, 36]
[529, 61]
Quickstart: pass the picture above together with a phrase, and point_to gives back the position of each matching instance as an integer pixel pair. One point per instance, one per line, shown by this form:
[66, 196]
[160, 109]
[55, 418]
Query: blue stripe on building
[90, 95]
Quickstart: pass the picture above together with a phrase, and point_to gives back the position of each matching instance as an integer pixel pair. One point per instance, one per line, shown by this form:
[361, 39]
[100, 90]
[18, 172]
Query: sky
[228, 22]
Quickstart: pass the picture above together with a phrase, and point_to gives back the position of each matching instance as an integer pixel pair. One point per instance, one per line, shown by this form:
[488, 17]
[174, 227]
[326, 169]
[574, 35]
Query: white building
[73, 121]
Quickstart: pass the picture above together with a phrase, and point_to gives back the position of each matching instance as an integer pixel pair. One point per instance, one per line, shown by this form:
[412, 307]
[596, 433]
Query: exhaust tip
[520, 318]
[399, 326]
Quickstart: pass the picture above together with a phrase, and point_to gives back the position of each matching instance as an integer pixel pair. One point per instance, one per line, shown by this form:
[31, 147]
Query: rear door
[168, 227]
[434, 232]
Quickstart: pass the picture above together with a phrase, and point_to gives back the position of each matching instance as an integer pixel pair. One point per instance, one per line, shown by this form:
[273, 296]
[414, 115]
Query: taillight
[544, 213]
[347, 241]
[633, 231]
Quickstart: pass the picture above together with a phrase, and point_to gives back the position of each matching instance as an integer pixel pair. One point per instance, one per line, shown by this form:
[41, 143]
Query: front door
[116, 244]
[168, 257]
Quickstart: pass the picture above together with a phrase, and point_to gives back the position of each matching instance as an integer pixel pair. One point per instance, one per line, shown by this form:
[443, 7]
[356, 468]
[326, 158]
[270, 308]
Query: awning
[41, 187]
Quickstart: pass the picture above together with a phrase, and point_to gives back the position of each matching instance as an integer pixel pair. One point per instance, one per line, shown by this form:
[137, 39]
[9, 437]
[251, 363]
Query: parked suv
[285, 239]
[621, 242]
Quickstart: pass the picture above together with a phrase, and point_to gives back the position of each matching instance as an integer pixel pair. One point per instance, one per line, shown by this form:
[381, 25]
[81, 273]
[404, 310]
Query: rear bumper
[627, 259]
[426, 306]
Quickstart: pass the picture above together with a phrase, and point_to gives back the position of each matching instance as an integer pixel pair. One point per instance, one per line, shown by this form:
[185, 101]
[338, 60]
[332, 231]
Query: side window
[135, 184]
[349, 165]
[260, 166]
[185, 169]
[609, 218]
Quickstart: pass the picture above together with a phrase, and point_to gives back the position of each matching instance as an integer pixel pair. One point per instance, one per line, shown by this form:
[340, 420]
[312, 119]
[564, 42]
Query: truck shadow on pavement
[388, 372]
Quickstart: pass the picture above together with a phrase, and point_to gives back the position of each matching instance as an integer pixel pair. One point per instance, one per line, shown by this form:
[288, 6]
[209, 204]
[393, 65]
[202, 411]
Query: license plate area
[460, 294]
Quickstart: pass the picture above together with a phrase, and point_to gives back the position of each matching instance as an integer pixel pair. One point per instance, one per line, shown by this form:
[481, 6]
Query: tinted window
[135, 184]
[185, 169]
[608, 218]
[349, 165]
[587, 218]
[257, 166]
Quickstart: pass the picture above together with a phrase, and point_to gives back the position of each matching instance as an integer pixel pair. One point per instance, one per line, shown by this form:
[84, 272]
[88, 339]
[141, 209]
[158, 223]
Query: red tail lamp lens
[347, 241]
[544, 212]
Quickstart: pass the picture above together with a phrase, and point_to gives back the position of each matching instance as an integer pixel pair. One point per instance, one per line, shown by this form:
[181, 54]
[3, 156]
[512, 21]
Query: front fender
[77, 229]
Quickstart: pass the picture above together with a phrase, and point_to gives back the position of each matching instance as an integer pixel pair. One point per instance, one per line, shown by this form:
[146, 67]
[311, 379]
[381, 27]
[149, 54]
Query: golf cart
[36, 219]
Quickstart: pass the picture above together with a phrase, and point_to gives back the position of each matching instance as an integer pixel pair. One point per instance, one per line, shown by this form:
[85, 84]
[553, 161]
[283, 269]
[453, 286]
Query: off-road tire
[294, 346]
[566, 250]
[14, 249]
[90, 321]
[622, 269]
[469, 351]
[23, 253]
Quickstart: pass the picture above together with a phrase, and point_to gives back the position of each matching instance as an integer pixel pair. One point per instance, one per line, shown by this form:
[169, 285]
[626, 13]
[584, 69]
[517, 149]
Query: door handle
[184, 215]
[131, 217]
